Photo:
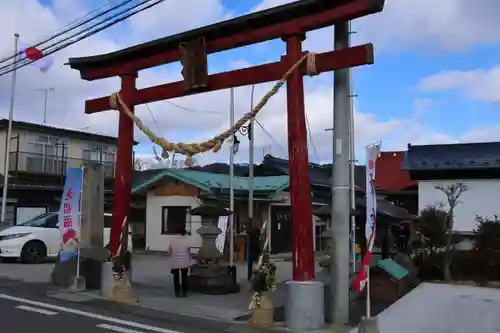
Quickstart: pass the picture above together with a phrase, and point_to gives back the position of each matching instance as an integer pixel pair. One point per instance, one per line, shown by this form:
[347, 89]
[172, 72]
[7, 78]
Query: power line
[268, 134]
[69, 43]
[152, 116]
[193, 110]
[74, 25]
[180, 107]
[46, 53]
[310, 137]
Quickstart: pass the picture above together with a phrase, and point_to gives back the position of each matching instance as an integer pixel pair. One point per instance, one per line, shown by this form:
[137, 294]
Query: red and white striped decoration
[362, 278]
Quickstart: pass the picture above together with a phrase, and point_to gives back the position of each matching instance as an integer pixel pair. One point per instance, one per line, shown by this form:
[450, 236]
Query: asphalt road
[23, 315]
[27, 308]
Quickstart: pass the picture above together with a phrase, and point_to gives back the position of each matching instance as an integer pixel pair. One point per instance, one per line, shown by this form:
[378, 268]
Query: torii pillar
[300, 184]
[124, 159]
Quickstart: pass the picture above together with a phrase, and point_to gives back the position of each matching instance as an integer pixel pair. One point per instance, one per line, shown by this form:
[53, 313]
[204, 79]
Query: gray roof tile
[462, 156]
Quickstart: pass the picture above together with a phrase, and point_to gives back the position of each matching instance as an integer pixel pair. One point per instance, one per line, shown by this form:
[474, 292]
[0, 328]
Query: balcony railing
[51, 164]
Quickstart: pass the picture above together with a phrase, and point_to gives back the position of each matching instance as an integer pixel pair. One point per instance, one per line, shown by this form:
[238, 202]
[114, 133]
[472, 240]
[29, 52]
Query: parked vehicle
[39, 238]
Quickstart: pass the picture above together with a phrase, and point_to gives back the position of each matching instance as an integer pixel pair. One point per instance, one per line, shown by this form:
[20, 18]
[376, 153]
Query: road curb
[153, 313]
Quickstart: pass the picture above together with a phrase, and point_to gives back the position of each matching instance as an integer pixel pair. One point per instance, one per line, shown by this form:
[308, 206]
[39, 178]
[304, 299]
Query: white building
[172, 193]
[477, 165]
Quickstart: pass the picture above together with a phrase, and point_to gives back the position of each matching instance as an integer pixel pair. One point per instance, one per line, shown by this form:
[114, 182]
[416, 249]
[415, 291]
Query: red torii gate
[289, 22]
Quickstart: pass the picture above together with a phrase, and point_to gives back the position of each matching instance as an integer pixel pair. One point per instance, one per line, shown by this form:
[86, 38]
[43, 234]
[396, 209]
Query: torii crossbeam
[290, 23]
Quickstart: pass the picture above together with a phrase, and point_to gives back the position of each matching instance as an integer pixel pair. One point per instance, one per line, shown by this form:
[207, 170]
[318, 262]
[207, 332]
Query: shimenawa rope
[214, 144]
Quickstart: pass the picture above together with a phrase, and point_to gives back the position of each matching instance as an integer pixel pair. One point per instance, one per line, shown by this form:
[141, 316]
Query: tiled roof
[384, 208]
[57, 130]
[140, 178]
[389, 176]
[463, 156]
[320, 175]
[207, 181]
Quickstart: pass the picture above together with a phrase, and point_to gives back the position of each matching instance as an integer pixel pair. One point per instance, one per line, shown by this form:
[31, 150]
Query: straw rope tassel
[263, 237]
[120, 245]
[265, 250]
[214, 144]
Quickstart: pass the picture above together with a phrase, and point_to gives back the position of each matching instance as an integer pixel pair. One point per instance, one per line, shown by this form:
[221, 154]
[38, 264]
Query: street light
[236, 144]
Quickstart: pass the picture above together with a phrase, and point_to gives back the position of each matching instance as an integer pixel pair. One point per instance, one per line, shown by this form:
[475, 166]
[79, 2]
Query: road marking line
[118, 328]
[37, 310]
[88, 314]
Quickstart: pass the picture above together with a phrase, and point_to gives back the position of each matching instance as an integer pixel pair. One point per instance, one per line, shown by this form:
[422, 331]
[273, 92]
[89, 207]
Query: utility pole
[46, 91]
[231, 183]
[250, 162]
[9, 130]
[251, 223]
[341, 206]
[352, 162]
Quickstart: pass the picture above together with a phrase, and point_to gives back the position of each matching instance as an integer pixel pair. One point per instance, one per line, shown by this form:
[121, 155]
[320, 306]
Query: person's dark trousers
[254, 258]
[385, 250]
[180, 281]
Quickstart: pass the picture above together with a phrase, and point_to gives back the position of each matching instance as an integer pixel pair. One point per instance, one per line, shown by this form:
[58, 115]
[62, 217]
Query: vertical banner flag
[69, 214]
[372, 153]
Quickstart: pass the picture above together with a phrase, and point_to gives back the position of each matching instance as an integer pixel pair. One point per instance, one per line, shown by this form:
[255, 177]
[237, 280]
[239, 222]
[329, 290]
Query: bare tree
[139, 164]
[453, 193]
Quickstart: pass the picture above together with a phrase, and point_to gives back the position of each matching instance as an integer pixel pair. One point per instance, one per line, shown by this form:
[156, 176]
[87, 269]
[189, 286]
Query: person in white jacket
[180, 259]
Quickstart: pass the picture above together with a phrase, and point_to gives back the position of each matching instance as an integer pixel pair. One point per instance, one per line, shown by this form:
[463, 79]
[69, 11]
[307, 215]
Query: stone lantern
[208, 275]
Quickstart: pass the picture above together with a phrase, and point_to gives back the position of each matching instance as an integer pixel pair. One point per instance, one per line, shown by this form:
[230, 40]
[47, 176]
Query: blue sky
[400, 74]
[433, 80]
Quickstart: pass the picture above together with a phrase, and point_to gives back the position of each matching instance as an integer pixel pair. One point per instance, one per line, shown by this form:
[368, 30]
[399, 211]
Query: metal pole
[352, 159]
[46, 92]
[339, 268]
[250, 162]
[231, 182]
[251, 222]
[45, 107]
[9, 130]
[82, 168]
[170, 163]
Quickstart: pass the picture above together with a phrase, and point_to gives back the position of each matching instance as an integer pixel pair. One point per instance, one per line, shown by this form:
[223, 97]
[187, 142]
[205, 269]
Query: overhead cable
[150, 3]
[74, 25]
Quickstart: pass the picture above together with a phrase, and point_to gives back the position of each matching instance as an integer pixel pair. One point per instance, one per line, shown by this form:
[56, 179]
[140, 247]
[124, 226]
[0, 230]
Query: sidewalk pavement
[153, 286]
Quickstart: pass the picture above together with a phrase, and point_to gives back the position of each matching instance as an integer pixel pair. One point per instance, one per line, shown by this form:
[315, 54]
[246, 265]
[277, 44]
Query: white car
[39, 238]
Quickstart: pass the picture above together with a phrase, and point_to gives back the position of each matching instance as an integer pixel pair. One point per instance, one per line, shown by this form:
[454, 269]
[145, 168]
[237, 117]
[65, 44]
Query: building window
[99, 153]
[174, 219]
[46, 154]
[103, 154]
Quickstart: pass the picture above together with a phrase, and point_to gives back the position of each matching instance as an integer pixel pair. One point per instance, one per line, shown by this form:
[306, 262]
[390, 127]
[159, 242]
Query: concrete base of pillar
[263, 316]
[116, 290]
[106, 279]
[368, 325]
[304, 309]
[78, 284]
[63, 274]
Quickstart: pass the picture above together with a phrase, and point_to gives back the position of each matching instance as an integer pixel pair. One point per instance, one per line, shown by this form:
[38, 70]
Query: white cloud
[482, 134]
[172, 17]
[480, 84]
[444, 24]
[266, 4]
[423, 25]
